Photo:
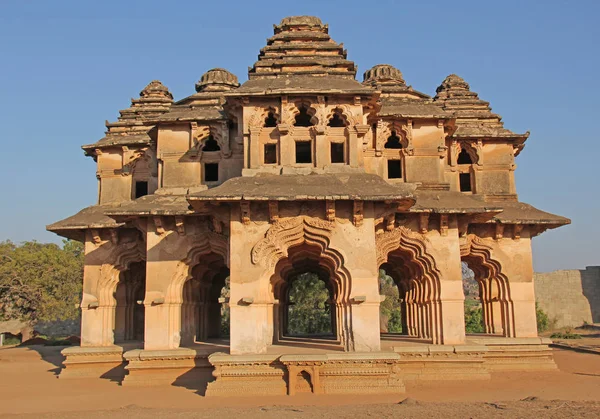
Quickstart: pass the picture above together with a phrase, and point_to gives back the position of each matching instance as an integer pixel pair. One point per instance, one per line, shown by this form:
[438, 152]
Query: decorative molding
[517, 229]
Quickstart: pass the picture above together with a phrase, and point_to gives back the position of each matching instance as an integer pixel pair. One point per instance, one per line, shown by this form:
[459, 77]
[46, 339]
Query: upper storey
[300, 112]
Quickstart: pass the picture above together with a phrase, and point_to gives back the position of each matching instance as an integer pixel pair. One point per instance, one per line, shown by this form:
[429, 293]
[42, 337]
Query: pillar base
[181, 367]
[94, 362]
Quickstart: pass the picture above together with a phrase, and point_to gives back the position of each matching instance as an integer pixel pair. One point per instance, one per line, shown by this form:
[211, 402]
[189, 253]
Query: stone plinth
[105, 362]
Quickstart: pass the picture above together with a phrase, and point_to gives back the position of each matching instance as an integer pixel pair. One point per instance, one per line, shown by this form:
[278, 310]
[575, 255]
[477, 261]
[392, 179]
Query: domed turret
[155, 90]
[383, 74]
[217, 80]
[452, 82]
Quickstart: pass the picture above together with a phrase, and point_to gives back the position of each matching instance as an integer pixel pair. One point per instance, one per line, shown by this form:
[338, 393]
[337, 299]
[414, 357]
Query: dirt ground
[29, 388]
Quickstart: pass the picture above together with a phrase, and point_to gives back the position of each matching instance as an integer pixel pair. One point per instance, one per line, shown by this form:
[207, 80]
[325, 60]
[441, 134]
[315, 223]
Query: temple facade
[303, 168]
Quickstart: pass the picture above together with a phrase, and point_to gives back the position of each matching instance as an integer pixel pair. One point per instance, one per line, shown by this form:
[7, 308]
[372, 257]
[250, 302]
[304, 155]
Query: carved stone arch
[411, 247]
[385, 130]
[293, 109]
[302, 230]
[124, 255]
[343, 112]
[470, 148]
[208, 242]
[488, 271]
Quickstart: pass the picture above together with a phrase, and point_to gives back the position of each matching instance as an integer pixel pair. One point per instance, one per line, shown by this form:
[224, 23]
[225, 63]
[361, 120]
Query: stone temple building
[303, 168]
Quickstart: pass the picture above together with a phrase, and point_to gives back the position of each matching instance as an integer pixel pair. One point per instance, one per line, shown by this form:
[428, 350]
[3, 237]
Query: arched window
[393, 141]
[464, 157]
[336, 121]
[270, 121]
[303, 119]
[211, 145]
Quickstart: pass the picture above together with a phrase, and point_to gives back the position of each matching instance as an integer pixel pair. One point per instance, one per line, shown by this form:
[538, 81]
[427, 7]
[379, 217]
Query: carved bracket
[499, 232]
[330, 210]
[443, 224]
[423, 222]
[245, 212]
[517, 229]
[158, 223]
[273, 211]
[357, 213]
[180, 226]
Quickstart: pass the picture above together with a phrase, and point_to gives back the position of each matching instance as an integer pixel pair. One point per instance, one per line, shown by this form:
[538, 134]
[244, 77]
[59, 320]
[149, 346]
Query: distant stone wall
[59, 328]
[569, 297]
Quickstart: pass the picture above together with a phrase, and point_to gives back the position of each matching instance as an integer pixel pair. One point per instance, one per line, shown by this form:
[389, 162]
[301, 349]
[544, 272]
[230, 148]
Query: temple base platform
[286, 369]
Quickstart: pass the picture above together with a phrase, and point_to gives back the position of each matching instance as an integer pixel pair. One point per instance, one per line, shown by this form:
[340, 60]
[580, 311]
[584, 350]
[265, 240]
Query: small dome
[453, 82]
[156, 89]
[217, 80]
[383, 74]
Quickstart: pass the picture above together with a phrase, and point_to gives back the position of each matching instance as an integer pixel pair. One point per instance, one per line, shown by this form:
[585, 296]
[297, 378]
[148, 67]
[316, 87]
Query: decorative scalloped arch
[293, 109]
[385, 132]
[475, 249]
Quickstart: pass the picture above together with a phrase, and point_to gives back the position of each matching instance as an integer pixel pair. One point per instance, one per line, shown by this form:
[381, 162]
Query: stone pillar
[287, 148]
[322, 158]
[354, 147]
[255, 148]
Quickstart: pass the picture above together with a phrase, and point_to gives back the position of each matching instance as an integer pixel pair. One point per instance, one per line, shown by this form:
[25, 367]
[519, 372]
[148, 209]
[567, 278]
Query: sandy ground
[29, 388]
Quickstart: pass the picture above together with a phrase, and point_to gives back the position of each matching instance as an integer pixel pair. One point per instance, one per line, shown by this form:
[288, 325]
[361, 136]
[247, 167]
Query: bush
[473, 319]
[567, 334]
[543, 322]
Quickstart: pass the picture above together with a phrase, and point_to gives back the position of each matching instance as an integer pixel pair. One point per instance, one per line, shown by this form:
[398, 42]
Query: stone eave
[93, 217]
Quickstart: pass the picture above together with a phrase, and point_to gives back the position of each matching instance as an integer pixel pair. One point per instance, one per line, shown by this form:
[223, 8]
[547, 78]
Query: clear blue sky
[67, 66]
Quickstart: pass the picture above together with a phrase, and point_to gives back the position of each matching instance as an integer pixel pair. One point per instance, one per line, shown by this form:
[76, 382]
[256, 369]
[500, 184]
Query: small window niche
[270, 154]
[211, 172]
[337, 153]
[211, 144]
[394, 169]
[303, 152]
[303, 118]
[393, 142]
[464, 157]
[270, 120]
[141, 189]
[465, 182]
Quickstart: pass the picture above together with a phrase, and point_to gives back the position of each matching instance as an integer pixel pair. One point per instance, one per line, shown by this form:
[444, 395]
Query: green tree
[40, 281]
[309, 312]
[390, 308]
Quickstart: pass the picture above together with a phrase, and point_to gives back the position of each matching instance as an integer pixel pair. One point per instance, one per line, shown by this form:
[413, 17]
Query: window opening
[270, 156]
[303, 152]
[393, 141]
[211, 145]
[337, 153]
[211, 172]
[464, 157]
[336, 121]
[465, 182]
[303, 119]
[394, 169]
[141, 189]
[270, 121]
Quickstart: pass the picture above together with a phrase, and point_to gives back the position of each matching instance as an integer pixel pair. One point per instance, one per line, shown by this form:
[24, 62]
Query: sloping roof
[522, 213]
[153, 205]
[192, 113]
[342, 186]
[299, 84]
[91, 217]
[448, 202]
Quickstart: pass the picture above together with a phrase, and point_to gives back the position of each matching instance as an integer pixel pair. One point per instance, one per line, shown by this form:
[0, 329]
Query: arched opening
[418, 287]
[205, 302]
[308, 306]
[488, 307]
[270, 120]
[464, 157]
[311, 300]
[390, 311]
[303, 118]
[337, 120]
[129, 311]
[304, 382]
[393, 141]
[210, 144]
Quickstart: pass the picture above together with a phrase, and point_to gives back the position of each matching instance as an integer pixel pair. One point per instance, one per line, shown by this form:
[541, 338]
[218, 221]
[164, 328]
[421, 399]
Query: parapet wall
[569, 297]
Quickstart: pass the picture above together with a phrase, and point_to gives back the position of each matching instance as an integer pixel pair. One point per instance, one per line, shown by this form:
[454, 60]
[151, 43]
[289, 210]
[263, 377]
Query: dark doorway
[394, 169]
[141, 189]
[270, 153]
[337, 153]
[465, 182]
[211, 172]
